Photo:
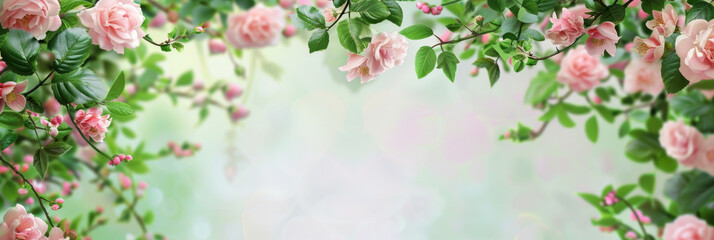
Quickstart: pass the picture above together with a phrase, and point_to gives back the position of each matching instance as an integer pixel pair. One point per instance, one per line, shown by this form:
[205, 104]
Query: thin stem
[344, 10]
[531, 56]
[39, 199]
[71, 116]
[39, 84]
[540, 130]
[449, 3]
[637, 216]
[462, 39]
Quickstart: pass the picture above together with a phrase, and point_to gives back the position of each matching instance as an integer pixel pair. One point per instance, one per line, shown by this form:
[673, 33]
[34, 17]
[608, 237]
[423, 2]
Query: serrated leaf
[11, 120]
[308, 18]
[41, 162]
[80, 87]
[416, 32]
[57, 149]
[19, 50]
[71, 49]
[8, 140]
[395, 12]
[425, 61]
[120, 108]
[349, 31]
[447, 62]
[673, 79]
[319, 40]
[117, 87]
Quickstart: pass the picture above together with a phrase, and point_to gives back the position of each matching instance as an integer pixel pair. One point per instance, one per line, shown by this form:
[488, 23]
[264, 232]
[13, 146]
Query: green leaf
[624, 129]
[650, 5]
[11, 120]
[185, 79]
[120, 108]
[565, 119]
[318, 40]
[447, 62]
[704, 85]
[654, 124]
[467, 54]
[395, 12]
[591, 129]
[533, 34]
[576, 109]
[498, 5]
[9, 191]
[666, 164]
[656, 212]
[117, 87]
[339, 3]
[416, 32]
[71, 49]
[542, 86]
[7, 140]
[526, 17]
[491, 66]
[372, 11]
[605, 113]
[308, 18]
[349, 31]
[149, 217]
[57, 149]
[33, 105]
[647, 182]
[546, 5]
[425, 61]
[8, 76]
[19, 50]
[138, 166]
[593, 199]
[692, 104]
[673, 79]
[41, 161]
[68, 5]
[245, 4]
[613, 13]
[80, 87]
[625, 190]
[700, 10]
[697, 193]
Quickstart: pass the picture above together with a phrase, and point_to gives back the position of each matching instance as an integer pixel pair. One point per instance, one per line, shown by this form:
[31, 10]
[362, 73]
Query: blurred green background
[397, 158]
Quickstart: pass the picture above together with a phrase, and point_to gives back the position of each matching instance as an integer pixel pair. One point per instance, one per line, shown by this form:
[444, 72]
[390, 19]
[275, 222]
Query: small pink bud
[173, 16]
[30, 201]
[55, 207]
[478, 18]
[197, 84]
[99, 209]
[642, 14]
[60, 201]
[474, 71]
[434, 11]
[445, 36]
[57, 218]
[75, 184]
[631, 235]
[217, 46]
[239, 112]
[197, 146]
[28, 158]
[321, 3]
[129, 158]
[22, 191]
[116, 161]
[199, 29]
[439, 8]
[289, 31]
[597, 100]
[507, 135]
[233, 91]
[158, 21]
[425, 9]
[629, 46]
[25, 167]
[142, 185]
[485, 38]
[125, 181]
[121, 156]
[419, 5]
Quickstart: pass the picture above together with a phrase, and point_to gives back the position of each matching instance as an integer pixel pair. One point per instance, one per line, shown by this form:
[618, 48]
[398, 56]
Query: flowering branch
[637, 216]
[37, 195]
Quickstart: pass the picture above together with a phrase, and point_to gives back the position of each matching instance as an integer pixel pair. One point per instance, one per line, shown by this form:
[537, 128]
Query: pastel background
[398, 158]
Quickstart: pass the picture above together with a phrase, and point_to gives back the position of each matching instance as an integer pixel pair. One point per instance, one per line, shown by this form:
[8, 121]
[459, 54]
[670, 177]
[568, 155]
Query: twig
[39, 199]
[462, 39]
[39, 84]
[347, 5]
[540, 131]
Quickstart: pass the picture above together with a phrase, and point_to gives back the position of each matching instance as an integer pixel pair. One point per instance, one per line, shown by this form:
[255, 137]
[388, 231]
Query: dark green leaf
[7, 140]
[120, 108]
[117, 87]
[700, 10]
[57, 149]
[11, 120]
[308, 18]
[349, 32]
[318, 40]
[673, 79]
[395, 12]
[447, 62]
[372, 11]
[80, 87]
[71, 49]
[19, 50]
[613, 13]
[41, 163]
[647, 182]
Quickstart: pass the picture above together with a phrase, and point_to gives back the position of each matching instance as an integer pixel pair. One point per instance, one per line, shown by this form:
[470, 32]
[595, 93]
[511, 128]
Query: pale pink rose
[36, 16]
[114, 24]
[386, 51]
[580, 11]
[682, 142]
[329, 15]
[565, 29]
[357, 67]
[56, 234]
[602, 38]
[688, 227]
[158, 21]
[695, 48]
[52, 107]
[581, 71]
[92, 123]
[258, 27]
[706, 162]
[11, 93]
[665, 22]
[651, 48]
[18, 224]
[643, 76]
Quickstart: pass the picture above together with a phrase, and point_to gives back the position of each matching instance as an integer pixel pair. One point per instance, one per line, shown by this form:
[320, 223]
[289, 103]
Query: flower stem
[637, 216]
[37, 195]
[39, 84]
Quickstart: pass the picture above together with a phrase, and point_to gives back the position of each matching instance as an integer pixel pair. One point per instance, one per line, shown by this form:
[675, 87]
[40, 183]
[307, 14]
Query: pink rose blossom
[258, 27]
[695, 48]
[688, 227]
[566, 29]
[581, 71]
[56, 234]
[18, 224]
[651, 48]
[11, 93]
[682, 142]
[643, 76]
[92, 123]
[329, 15]
[642, 14]
[217, 46]
[602, 38]
[158, 21]
[36, 16]
[114, 24]
[665, 22]
[706, 161]
[357, 67]
[386, 51]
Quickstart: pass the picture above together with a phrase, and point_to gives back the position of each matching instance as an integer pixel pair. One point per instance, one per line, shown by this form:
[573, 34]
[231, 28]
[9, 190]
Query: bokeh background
[397, 158]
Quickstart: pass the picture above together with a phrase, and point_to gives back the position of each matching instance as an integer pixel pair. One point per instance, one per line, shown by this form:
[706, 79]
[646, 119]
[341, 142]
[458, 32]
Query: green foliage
[70, 48]
[416, 32]
[349, 32]
[40, 162]
[120, 108]
[372, 11]
[117, 87]
[19, 50]
[80, 87]
[447, 62]
[425, 61]
[700, 10]
[308, 18]
[591, 129]
[318, 40]
[673, 79]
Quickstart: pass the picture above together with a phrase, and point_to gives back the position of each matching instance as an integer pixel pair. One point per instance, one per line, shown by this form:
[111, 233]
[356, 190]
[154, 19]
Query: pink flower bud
[52, 107]
[121, 156]
[55, 207]
[419, 5]
[289, 31]
[129, 158]
[435, 11]
[628, 47]
[197, 146]
[131, 89]
[75, 184]
[158, 21]
[142, 185]
[425, 9]
[28, 158]
[321, 3]
[99, 209]
[439, 8]
[4, 169]
[173, 16]
[199, 99]
[60, 201]
[597, 100]
[642, 14]
[30, 201]
[25, 167]
[22, 191]
[474, 71]
[287, 4]
[197, 84]
[233, 91]
[239, 112]
[507, 135]
[485, 38]
[3, 65]
[124, 181]
[446, 35]
[631, 235]
[199, 29]
[115, 161]
[217, 46]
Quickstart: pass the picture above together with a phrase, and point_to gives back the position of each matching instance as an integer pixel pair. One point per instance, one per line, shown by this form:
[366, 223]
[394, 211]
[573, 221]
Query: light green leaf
[425, 61]
[591, 129]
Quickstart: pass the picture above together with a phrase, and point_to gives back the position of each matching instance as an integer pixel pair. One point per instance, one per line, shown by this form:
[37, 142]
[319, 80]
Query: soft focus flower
[665, 22]
[610, 198]
[688, 227]
[706, 161]
[22, 191]
[36, 16]
[682, 142]
[233, 90]
[329, 15]
[11, 94]
[580, 10]
[239, 112]
[446, 35]
[566, 29]
[217, 46]
[18, 224]
[258, 27]
[55, 207]
[357, 67]
[30, 201]
[385, 51]
[581, 71]
[289, 31]
[651, 48]
[57, 234]
[52, 107]
[643, 76]
[287, 4]
[602, 38]
[114, 24]
[644, 219]
[3, 65]
[92, 123]
[631, 235]
[124, 181]
[158, 21]
[642, 14]
[695, 48]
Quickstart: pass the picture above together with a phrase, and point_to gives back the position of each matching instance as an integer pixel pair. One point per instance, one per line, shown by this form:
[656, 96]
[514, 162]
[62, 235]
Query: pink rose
[357, 67]
[682, 142]
[688, 227]
[385, 51]
[329, 15]
[217, 46]
[695, 48]
[665, 22]
[11, 93]
[3, 65]
[580, 11]
[651, 48]
[602, 37]
[56, 234]
[258, 27]
[18, 224]
[706, 162]
[92, 123]
[36, 16]
[643, 76]
[114, 24]
[566, 29]
[581, 71]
